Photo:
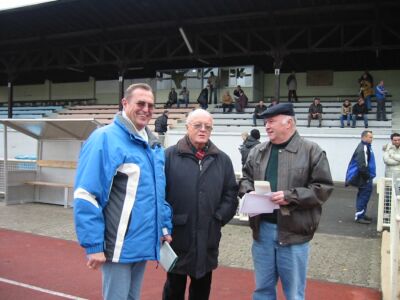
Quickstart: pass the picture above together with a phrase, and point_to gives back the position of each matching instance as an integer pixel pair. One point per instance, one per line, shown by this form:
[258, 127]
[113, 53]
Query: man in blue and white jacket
[120, 211]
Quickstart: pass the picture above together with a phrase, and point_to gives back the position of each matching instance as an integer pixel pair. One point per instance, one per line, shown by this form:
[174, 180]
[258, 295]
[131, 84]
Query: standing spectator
[391, 155]
[172, 98]
[360, 112]
[227, 102]
[203, 98]
[366, 89]
[380, 94]
[202, 190]
[366, 76]
[120, 197]
[360, 173]
[345, 113]
[315, 112]
[300, 179]
[161, 126]
[212, 82]
[185, 97]
[258, 110]
[252, 140]
[291, 83]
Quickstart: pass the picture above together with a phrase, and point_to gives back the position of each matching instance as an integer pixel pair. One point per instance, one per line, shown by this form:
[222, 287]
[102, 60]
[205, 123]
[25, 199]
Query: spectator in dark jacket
[161, 123]
[172, 98]
[315, 112]
[258, 110]
[202, 190]
[252, 140]
[203, 98]
[360, 112]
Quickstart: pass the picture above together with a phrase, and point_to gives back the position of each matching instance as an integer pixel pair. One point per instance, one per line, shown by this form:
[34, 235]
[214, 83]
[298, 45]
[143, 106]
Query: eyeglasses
[142, 104]
[199, 126]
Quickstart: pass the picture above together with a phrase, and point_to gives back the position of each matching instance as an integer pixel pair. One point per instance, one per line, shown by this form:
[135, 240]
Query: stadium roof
[69, 40]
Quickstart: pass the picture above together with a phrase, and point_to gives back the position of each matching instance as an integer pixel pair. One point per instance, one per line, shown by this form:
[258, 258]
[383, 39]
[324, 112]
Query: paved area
[341, 251]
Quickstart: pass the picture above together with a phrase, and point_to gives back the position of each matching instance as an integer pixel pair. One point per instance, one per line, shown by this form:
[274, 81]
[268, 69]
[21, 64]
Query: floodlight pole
[121, 90]
[10, 100]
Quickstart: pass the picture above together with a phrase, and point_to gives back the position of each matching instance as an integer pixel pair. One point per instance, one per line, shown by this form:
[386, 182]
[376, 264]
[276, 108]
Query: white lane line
[32, 287]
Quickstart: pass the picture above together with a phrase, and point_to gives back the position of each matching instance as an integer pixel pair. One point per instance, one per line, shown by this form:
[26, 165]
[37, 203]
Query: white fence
[14, 164]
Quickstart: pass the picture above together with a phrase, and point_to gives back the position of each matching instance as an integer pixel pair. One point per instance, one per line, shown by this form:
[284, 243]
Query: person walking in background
[315, 112]
[185, 97]
[212, 82]
[252, 140]
[291, 83]
[300, 180]
[345, 113]
[260, 108]
[120, 211]
[161, 126]
[227, 102]
[360, 173]
[391, 155]
[360, 112]
[202, 190]
[380, 94]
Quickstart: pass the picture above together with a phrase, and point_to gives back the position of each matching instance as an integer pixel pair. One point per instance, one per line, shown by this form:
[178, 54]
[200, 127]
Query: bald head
[198, 113]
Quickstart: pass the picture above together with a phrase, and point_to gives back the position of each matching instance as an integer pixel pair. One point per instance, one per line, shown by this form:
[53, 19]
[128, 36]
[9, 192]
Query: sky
[8, 4]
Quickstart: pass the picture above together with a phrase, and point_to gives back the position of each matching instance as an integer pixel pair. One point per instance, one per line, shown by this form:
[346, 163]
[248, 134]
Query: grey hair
[132, 87]
[365, 133]
[198, 112]
[287, 118]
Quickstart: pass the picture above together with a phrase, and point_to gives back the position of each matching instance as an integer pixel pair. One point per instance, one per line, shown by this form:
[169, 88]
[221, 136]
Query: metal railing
[384, 190]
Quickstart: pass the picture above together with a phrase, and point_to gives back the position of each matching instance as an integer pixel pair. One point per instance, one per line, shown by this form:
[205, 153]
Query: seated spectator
[203, 98]
[366, 90]
[161, 125]
[380, 94]
[185, 97]
[260, 107]
[252, 140]
[241, 102]
[345, 113]
[172, 98]
[273, 101]
[227, 102]
[236, 93]
[315, 112]
[360, 112]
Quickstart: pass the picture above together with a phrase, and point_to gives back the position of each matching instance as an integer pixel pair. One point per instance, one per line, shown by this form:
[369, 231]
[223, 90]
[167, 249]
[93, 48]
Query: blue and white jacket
[360, 169]
[120, 206]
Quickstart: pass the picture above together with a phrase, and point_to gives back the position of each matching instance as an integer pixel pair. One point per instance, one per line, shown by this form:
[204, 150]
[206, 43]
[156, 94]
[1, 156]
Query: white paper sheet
[254, 204]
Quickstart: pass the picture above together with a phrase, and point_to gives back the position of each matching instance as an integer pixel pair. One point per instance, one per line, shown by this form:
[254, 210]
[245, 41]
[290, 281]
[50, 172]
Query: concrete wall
[339, 149]
[344, 83]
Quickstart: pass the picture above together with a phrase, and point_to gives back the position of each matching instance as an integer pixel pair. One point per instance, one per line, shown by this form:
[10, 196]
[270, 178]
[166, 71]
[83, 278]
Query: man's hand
[166, 238]
[95, 260]
[279, 198]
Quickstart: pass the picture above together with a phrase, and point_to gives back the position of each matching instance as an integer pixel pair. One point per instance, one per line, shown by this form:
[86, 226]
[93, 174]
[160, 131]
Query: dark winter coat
[244, 149]
[161, 124]
[203, 196]
[359, 170]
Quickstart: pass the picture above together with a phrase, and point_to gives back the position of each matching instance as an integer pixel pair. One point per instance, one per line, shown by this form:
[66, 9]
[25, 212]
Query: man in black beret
[300, 179]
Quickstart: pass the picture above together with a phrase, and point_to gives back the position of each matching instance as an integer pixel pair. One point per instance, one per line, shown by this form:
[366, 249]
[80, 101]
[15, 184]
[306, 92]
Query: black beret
[278, 109]
[255, 133]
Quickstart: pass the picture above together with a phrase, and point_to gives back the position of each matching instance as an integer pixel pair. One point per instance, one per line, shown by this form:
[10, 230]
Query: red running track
[59, 266]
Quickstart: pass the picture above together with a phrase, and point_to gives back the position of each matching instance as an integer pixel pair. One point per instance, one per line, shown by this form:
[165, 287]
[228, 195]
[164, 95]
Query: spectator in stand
[391, 155]
[346, 113]
[241, 102]
[203, 98]
[258, 110]
[185, 97]
[172, 98]
[360, 112]
[273, 101]
[380, 94]
[366, 89]
[366, 76]
[236, 93]
[315, 112]
[227, 102]
[291, 83]
[212, 82]
[252, 140]
[161, 126]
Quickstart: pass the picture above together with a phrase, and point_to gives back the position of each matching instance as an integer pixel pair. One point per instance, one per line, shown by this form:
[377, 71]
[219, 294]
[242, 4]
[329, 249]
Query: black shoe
[319, 125]
[308, 125]
[341, 126]
[348, 125]
[353, 126]
[363, 221]
[366, 126]
[385, 120]
[367, 218]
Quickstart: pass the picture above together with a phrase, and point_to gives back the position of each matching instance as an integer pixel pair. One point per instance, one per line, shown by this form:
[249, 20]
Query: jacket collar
[129, 129]
[184, 147]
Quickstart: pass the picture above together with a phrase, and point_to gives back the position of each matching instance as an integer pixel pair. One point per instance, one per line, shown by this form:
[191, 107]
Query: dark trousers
[175, 286]
[380, 110]
[363, 195]
[292, 94]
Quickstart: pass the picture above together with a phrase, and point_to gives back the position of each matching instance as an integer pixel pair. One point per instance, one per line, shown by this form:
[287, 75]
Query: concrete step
[326, 116]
